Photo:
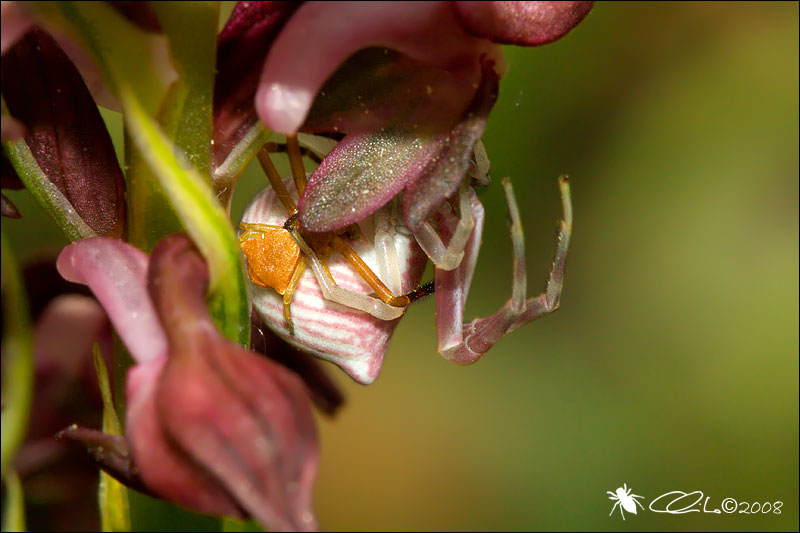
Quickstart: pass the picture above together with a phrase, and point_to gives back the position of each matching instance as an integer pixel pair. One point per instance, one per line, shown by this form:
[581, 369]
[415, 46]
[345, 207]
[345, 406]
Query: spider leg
[450, 256]
[481, 334]
[388, 263]
[333, 292]
[277, 183]
[250, 231]
[614, 508]
[296, 163]
[287, 294]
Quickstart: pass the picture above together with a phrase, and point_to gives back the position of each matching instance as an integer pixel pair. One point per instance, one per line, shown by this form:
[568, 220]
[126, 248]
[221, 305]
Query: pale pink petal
[521, 23]
[452, 287]
[165, 470]
[243, 419]
[322, 35]
[116, 273]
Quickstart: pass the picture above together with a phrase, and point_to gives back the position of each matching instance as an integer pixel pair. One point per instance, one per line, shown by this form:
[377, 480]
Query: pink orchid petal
[15, 23]
[362, 173]
[521, 23]
[243, 419]
[165, 470]
[11, 128]
[116, 274]
[452, 287]
[322, 35]
[445, 173]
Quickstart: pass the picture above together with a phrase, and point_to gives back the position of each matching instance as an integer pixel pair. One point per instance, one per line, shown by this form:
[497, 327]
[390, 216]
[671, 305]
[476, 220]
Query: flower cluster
[390, 98]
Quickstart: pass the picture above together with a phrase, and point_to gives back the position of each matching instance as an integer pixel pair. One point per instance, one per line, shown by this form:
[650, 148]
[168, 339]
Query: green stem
[17, 359]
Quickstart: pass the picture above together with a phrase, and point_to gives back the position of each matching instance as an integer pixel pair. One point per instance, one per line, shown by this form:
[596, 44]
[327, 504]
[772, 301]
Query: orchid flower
[390, 98]
[410, 87]
[210, 426]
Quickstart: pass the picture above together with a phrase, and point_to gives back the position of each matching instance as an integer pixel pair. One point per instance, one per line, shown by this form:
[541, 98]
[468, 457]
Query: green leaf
[112, 495]
[14, 504]
[203, 217]
[17, 359]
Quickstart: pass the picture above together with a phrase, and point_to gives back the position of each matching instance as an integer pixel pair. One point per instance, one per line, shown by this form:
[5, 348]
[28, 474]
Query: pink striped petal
[116, 273]
[352, 339]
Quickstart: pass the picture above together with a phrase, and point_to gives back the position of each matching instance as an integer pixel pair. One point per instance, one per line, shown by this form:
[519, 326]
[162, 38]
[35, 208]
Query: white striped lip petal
[354, 340]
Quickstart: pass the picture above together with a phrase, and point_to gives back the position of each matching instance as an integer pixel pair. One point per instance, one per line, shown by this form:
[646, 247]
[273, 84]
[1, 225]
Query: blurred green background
[673, 361]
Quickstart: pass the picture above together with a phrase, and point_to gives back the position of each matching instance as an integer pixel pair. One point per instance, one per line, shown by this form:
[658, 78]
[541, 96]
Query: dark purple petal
[447, 168]
[65, 132]
[377, 87]
[140, 14]
[243, 419]
[110, 452]
[360, 175]
[242, 47]
[426, 148]
[521, 23]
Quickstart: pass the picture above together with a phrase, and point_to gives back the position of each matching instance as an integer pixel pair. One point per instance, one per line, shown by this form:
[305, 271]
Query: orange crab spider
[277, 256]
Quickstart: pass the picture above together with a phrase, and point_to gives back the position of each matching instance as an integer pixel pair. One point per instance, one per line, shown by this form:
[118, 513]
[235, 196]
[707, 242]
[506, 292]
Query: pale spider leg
[450, 256]
[254, 230]
[550, 300]
[277, 183]
[296, 163]
[452, 286]
[388, 263]
[368, 275]
[481, 334]
[614, 508]
[333, 292]
[614, 495]
[287, 294]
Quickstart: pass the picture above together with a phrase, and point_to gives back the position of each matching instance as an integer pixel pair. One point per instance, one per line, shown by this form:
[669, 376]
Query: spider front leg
[466, 344]
[449, 257]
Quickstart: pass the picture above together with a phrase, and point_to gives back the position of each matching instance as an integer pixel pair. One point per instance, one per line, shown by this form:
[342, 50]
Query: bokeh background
[673, 361]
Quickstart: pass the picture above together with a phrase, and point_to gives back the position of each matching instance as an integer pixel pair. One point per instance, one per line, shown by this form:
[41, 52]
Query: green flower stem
[17, 360]
[14, 504]
[187, 113]
[204, 219]
[112, 495]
